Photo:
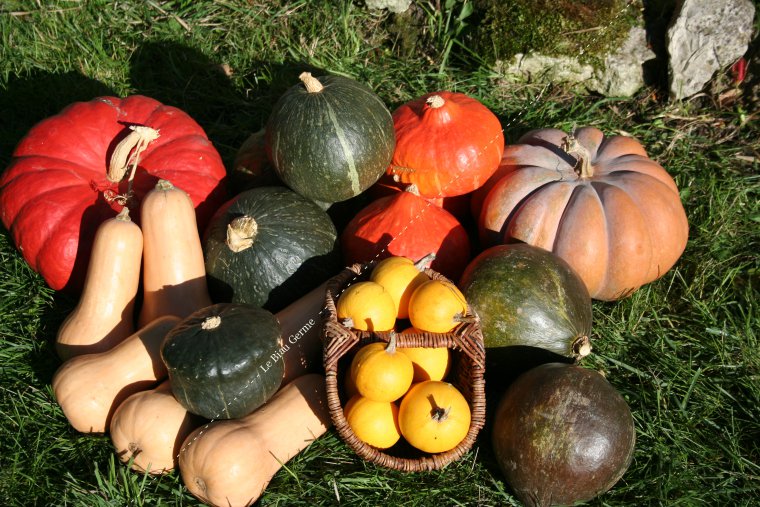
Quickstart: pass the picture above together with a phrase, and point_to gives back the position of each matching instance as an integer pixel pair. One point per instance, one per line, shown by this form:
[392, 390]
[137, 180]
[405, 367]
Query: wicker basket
[468, 354]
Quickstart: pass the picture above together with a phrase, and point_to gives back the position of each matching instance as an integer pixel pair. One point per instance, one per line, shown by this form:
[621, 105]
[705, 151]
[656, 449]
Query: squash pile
[394, 391]
[196, 336]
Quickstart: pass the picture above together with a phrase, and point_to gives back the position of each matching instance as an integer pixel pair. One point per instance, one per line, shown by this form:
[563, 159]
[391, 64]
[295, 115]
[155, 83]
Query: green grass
[683, 351]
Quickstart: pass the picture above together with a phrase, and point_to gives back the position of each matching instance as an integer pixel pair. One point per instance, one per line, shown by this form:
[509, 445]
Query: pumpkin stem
[435, 101]
[123, 215]
[424, 262]
[211, 322]
[311, 83]
[464, 318]
[438, 414]
[412, 189]
[123, 155]
[164, 185]
[571, 146]
[391, 348]
[241, 232]
[581, 347]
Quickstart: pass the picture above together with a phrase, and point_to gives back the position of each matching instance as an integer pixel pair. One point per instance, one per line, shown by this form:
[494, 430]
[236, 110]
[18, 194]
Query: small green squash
[225, 360]
[269, 246]
[330, 138]
[527, 296]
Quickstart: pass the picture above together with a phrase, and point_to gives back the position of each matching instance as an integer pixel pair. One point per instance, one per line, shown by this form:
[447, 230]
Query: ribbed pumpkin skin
[294, 249]
[527, 296]
[51, 194]
[448, 150]
[226, 371]
[619, 228]
[333, 144]
[407, 225]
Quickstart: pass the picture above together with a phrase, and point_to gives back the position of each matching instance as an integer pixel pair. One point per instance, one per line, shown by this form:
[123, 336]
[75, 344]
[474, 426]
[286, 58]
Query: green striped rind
[333, 144]
[527, 296]
[295, 249]
[230, 370]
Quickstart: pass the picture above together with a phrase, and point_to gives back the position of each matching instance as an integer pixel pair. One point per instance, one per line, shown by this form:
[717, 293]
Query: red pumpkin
[458, 205]
[407, 225]
[68, 175]
[447, 144]
[598, 202]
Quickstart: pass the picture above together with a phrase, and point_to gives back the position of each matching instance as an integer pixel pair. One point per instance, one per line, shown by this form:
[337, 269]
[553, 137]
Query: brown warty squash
[598, 202]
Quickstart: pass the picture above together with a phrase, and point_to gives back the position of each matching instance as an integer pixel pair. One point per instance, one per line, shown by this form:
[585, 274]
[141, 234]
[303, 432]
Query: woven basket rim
[338, 340]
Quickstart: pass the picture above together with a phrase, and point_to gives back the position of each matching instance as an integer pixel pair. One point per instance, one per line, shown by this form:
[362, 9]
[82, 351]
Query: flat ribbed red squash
[407, 225]
[56, 190]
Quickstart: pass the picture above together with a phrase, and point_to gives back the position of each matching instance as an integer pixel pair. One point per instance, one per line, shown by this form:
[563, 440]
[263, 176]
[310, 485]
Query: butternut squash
[174, 274]
[90, 387]
[301, 324]
[230, 463]
[105, 312]
[149, 428]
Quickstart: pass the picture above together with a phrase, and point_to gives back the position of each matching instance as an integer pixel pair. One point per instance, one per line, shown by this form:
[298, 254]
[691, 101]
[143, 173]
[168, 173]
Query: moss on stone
[587, 29]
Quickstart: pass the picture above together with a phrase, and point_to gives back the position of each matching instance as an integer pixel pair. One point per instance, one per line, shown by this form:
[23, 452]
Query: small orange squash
[90, 387]
[149, 428]
[400, 276]
[434, 416]
[174, 273]
[104, 315]
[381, 372]
[430, 363]
[373, 422]
[437, 306]
[366, 306]
[230, 463]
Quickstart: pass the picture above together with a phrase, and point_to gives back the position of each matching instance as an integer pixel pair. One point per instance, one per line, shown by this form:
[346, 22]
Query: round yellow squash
[430, 363]
[400, 276]
[373, 422]
[380, 372]
[434, 416]
[367, 306]
[437, 306]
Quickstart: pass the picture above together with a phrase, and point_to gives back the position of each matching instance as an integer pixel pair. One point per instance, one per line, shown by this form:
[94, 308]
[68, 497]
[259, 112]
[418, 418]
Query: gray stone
[540, 68]
[623, 73]
[704, 37]
[391, 5]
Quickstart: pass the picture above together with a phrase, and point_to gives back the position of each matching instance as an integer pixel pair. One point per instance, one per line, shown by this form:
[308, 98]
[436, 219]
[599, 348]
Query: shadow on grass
[230, 104]
[29, 99]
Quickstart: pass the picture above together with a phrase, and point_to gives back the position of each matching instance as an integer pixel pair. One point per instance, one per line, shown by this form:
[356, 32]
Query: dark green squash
[562, 434]
[269, 246]
[330, 138]
[225, 360]
[527, 296]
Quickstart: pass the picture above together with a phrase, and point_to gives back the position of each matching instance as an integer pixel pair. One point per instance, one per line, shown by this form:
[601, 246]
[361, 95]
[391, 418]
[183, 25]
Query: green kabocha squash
[225, 360]
[330, 138]
[269, 246]
[528, 297]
